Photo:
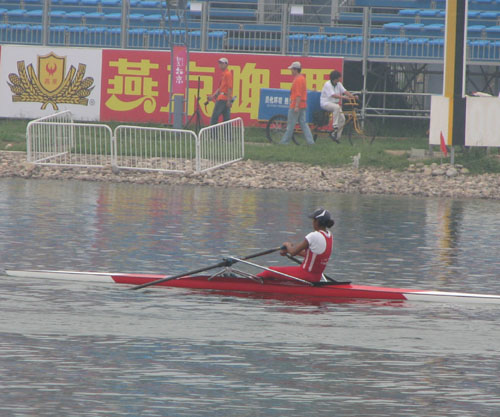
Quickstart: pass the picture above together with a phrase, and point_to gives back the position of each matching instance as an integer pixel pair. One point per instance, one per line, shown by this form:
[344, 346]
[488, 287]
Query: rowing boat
[228, 280]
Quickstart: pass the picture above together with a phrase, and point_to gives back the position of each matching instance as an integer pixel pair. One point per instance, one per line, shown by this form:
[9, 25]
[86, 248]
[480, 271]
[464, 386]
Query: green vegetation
[390, 150]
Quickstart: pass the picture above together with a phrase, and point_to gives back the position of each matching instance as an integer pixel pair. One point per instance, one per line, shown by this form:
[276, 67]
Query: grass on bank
[390, 150]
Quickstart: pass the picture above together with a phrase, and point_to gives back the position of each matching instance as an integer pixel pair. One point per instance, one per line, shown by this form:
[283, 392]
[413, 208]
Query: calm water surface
[77, 349]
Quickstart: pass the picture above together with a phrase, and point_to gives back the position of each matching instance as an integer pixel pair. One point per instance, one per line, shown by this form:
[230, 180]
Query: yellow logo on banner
[51, 71]
[52, 85]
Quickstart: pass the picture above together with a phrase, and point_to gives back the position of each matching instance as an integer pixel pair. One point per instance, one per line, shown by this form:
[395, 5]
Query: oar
[303, 281]
[224, 262]
[293, 258]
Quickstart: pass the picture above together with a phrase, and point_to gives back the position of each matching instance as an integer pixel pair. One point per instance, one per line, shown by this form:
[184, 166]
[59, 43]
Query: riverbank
[419, 180]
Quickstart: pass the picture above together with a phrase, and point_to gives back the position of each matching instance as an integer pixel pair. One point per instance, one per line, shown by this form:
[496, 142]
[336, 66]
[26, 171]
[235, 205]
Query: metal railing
[220, 145]
[57, 140]
[155, 149]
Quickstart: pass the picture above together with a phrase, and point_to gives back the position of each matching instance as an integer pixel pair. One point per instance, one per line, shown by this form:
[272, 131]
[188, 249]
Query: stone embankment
[419, 180]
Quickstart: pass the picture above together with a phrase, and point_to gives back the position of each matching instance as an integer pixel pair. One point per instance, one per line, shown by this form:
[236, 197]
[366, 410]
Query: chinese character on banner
[133, 80]
[179, 69]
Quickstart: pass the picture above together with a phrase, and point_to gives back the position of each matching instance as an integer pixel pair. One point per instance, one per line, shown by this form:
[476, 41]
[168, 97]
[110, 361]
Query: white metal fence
[155, 149]
[57, 140]
[220, 144]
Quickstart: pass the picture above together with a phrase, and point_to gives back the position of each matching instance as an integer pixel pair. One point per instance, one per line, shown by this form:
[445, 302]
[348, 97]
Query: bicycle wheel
[348, 130]
[276, 128]
[369, 129]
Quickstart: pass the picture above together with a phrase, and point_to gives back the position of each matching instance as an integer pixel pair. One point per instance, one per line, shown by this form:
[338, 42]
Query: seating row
[437, 30]
[427, 4]
[337, 45]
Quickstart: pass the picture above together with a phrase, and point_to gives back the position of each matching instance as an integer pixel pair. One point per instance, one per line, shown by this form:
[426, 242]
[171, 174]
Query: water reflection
[76, 348]
[379, 240]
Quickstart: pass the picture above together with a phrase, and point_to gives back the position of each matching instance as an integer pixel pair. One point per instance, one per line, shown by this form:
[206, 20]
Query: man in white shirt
[331, 100]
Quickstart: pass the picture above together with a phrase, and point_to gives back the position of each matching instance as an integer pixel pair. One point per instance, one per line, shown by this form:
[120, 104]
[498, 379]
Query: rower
[316, 249]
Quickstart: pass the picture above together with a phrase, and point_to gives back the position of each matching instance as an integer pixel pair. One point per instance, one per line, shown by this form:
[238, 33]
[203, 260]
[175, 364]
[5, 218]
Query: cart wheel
[276, 128]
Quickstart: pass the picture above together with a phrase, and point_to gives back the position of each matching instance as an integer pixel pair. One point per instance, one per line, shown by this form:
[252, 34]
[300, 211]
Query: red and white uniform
[319, 251]
[317, 256]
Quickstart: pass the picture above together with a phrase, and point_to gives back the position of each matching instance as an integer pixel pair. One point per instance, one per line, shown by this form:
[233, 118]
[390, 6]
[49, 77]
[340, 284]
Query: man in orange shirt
[223, 96]
[298, 104]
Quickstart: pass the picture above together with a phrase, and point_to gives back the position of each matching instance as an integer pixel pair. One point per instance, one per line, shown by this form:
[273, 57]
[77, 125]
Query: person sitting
[331, 100]
[316, 249]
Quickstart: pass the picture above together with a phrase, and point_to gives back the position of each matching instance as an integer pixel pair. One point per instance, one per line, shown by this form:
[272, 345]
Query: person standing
[298, 105]
[223, 95]
[331, 100]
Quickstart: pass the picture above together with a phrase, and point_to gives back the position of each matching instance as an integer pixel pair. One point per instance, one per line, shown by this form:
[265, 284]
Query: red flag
[444, 149]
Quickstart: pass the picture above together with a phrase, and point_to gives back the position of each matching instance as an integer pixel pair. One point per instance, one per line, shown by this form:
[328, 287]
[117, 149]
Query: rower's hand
[285, 248]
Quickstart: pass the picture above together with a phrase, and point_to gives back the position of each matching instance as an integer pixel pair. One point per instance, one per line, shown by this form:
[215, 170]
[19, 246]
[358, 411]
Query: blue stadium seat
[216, 40]
[435, 48]
[15, 16]
[412, 13]
[135, 19]
[94, 18]
[354, 46]
[20, 33]
[75, 18]
[495, 45]
[476, 31]
[484, 4]
[57, 34]
[303, 29]
[491, 15]
[137, 38]
[434, 29]
[68, 5]
[317, 44]
[377, 46]
[492, 32]
[78, 35]
[113, 19]
[417, 47]
[479, 49]
[111, 6]
[33, 16]
[32, 4]
[158, 38]
[57, 17]
[296, 43]
[413, 29]
[90, 6]
[398, 46]
[153, 20]
[337, 44]
[393, 28]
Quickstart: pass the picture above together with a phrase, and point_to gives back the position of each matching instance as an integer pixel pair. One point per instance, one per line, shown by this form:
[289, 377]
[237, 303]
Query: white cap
[224, 60]
[295, 65]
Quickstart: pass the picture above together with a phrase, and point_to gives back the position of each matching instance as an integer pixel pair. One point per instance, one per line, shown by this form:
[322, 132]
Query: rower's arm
[294, 250]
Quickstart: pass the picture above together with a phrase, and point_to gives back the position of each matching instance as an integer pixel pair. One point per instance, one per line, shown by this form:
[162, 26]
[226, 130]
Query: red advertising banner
[180, 68]
[135, 84]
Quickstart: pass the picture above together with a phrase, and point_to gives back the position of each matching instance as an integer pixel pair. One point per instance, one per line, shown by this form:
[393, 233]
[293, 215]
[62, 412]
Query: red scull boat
[227, 280]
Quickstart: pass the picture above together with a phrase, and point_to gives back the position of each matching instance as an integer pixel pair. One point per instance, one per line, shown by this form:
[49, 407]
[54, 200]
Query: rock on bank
[287, 176]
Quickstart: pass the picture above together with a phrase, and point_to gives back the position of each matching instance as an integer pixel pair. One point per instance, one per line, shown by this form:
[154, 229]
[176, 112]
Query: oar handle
[265, 252]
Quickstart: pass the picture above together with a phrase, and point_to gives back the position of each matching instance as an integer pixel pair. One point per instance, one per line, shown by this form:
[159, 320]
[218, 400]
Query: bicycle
[355, 125]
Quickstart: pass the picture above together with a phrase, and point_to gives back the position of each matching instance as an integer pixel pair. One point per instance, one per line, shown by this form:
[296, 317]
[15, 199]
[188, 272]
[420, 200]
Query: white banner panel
[38, 81]
[482, 122]
[439, 119]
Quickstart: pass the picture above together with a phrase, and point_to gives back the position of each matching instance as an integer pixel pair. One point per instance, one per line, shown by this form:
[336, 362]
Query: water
[86, 349]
